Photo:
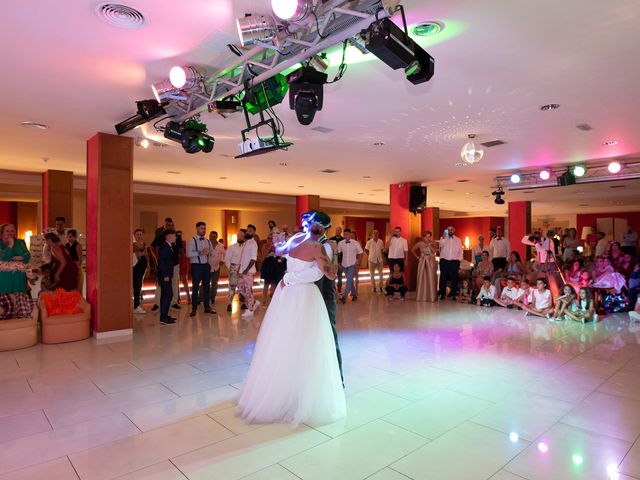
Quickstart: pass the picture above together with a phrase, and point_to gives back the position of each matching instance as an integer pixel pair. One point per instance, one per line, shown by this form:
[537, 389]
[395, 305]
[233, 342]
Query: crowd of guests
[62, 254]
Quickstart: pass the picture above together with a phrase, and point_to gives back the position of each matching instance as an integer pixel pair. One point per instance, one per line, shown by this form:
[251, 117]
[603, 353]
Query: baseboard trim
[114, 333]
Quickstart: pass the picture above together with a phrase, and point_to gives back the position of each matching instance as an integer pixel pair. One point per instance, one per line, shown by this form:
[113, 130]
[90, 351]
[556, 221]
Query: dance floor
[434, 391]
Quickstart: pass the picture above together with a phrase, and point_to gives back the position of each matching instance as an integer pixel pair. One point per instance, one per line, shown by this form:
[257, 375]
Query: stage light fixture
[266, 94]
[498, 193]
[579, 171]
[291, 10]
[147, 110]
[515, 178]
[191, 134]
[545, 174]
[306, 93]
[184, 77]
[567, 178]
[394, 47]
[163, 90]
[254, 29]
[614, 167]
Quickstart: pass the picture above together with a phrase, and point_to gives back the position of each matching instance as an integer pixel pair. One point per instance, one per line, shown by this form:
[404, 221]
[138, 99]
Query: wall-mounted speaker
[417, 199]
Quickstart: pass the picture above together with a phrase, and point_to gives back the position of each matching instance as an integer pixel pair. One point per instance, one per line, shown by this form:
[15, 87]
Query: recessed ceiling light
[366, 176]
[464, 180]
[35, 125]
[583, 205]
[328, 170]
[360, 193]
[378, 144]
[300, 186]
[617, 186]
[119, 15]
[549, 106]
[462, 164]
[173, 172]
[264, 183]
[284, 164]
[428, 29]
[223, 178]
[449, 190]
[377, 189]
[610, 142]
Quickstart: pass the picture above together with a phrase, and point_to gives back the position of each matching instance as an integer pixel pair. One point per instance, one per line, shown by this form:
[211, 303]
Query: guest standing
[166, 254]
[232, 260]
[75, 250]
[337, 238]
[499, 248]
[60, 225]
[375, 253]
[427, 279]
[450, 257]
[246, 272]
[476, 251]
[12, 249]
[139, 269]
[198, 250]
[216, 260]
[397, 249]
[351, 254]
[602, 247]
[64, 269]
[570, 245]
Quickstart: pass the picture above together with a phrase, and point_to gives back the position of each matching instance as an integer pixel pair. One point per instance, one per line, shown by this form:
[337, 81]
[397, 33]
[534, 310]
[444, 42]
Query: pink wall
[9, 213]
[471, 226]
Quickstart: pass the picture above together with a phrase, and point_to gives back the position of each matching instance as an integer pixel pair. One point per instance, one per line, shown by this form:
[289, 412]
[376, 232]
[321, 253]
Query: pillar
[431, 221]
[109, 226]
[57, 197]
[400, 216]
[304, 203]
[519, 226]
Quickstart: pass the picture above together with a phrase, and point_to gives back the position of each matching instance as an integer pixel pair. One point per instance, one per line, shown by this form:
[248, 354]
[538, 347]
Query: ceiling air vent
[585, 127]
[493, 143]
[328, 170]
[617, 186]
[322, 129]
[120, 15]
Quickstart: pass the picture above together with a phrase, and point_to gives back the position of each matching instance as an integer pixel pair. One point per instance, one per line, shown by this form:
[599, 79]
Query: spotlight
[163, 90]
[567, 178]
[147, 110]
[191, 135]
[614, 167]
[291, 10]
[394, 47]
[266, 94]
[255, 29]
[306, 93]
[184, 77]
[515, 178]
[545, 174]
[579, 170]
[498, 193]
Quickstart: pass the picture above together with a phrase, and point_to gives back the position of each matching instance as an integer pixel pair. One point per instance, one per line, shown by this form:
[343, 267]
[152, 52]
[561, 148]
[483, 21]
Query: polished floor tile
[567, 453]
[356, 454]
[433, 391]
[469, 451]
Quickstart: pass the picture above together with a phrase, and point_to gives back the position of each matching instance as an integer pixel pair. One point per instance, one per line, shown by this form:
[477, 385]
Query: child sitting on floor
[509, 294]
[542, 300]
[582, 309]
[487, 295]
[563, 301]
[465, 294]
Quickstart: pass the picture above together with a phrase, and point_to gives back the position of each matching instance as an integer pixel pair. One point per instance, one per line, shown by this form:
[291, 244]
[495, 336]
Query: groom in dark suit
[317, 223]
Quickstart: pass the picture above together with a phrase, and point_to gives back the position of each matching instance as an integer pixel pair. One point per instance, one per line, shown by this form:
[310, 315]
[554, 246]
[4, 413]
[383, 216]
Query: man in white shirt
[351, 254]
[246, 272]
[198, 250]
[450, 256]
[216, 260]
[487, 295]
[60, 232]
[232, 261]
[500, 249]
[397, 249]
[375, 250]
[509, 294]
[602, 247]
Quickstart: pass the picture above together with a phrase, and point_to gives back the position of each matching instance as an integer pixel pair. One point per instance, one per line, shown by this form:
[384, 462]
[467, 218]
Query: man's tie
[348, 241]
[201, 239]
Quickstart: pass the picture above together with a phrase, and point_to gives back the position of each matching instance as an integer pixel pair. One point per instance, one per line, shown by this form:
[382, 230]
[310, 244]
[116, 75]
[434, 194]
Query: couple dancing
[296, 373]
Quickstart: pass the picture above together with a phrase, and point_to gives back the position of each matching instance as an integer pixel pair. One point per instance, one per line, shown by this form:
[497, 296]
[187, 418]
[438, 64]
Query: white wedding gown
[294, 375]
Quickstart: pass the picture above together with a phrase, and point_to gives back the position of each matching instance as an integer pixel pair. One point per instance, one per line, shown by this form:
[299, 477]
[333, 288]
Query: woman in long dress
[64, 269]
[294, 375]
[14, 252]
[427, 280]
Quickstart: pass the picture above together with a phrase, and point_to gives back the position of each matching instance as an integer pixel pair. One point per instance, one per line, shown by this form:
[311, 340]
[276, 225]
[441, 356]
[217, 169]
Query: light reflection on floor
[435, 391]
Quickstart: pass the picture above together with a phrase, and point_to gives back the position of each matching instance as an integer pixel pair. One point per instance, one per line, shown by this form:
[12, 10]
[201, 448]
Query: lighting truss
[596, 173]
[333, 22]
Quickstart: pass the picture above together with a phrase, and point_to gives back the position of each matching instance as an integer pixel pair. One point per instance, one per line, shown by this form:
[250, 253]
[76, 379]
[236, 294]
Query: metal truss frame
[332, 23]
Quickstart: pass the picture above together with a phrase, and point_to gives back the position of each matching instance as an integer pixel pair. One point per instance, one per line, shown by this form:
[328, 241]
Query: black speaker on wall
[417, 198]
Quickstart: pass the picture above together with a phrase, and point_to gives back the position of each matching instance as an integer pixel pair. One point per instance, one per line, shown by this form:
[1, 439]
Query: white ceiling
[496, 63]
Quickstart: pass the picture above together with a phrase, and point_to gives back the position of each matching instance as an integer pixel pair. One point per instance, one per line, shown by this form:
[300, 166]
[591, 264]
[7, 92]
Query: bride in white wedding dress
[294, 375]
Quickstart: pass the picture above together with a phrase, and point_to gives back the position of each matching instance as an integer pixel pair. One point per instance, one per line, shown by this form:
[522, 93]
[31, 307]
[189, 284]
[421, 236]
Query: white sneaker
[139, 310]
[247, 313]
[256, 304]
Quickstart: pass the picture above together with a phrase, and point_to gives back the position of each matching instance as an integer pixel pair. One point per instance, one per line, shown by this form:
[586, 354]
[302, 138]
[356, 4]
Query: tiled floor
[434, 391]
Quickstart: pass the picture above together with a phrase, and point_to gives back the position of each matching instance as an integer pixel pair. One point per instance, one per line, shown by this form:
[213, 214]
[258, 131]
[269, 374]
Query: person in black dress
[396, 283]
[75, 250]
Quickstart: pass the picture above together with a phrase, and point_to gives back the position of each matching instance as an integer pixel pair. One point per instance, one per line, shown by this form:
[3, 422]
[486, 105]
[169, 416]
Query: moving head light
[394, 47]
[306, 92]
[191, 135]
[147, 110]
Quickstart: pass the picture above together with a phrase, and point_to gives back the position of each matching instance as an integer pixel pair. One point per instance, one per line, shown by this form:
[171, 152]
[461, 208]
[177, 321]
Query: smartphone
[446, 232]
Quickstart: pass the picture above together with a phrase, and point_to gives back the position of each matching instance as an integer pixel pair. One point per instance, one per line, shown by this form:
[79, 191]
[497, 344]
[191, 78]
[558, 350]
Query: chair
[67, 327]
[17, 333]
